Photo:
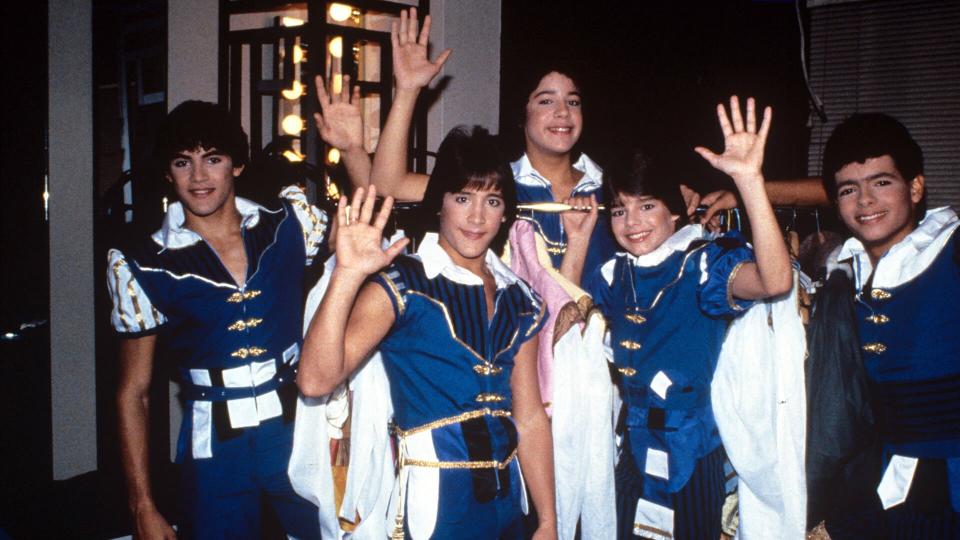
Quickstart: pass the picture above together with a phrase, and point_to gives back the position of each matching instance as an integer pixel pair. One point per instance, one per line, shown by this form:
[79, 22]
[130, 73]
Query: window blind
[900, 57]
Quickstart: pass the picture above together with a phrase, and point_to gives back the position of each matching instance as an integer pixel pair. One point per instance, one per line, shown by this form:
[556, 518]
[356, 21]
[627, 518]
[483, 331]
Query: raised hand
[742, 155]
[339, 121]
[411, 66]
[359, 248]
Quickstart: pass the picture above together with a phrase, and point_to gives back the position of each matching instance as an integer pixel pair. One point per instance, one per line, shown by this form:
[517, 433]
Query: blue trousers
[221, 496]
[460, 516]
[697, 506]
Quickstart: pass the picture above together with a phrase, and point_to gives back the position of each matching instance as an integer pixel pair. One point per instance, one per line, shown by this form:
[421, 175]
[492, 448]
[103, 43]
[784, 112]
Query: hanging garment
[576, 388]
[759, 404]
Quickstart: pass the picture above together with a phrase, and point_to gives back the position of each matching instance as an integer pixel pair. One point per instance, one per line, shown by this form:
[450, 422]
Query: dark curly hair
[200, 124]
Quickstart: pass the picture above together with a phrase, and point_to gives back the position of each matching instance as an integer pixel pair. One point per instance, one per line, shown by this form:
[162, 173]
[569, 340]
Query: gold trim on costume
[627, 371]
[131, 290]
[630, 345]
[401, 305]
[453, 333]
[635, 318]
[733, 275]
[242, 325]
[238, 296]
[116, 274]
[462, 417]
[875, 348]
[659, 295]
[244, 352]
[878, 318]
[487, 369]
[880, 294]
[487, 397]
[489, 464]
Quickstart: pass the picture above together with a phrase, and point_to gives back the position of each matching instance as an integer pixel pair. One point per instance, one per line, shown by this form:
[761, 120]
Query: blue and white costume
[236, 347]
[668, 312]
[533, 187]
[449, 364]
[909, 325]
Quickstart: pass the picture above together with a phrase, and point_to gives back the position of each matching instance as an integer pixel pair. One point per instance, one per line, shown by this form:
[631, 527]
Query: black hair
[469, 157]
[517, 98]
[635, 173]
[200, 124]
[871, 135]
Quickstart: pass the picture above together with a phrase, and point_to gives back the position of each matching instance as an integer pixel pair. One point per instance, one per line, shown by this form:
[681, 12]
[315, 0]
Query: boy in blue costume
[454, 327]
[221, 283]
[668, 300]
[906, 264]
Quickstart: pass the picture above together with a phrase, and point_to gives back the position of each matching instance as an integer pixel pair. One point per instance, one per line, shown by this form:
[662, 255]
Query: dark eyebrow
[542, 92]
[875, 176]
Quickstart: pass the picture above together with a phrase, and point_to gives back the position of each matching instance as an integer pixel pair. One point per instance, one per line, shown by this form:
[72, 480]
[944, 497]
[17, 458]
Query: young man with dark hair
[221, 284]
[906, 264]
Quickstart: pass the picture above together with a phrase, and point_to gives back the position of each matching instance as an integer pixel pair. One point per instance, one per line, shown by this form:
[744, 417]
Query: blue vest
[213, 323]
[910, 335]
[666, 331]
[442, 356]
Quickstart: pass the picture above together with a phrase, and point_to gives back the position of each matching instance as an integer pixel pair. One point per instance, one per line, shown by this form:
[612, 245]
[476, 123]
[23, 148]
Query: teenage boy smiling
[906, 264]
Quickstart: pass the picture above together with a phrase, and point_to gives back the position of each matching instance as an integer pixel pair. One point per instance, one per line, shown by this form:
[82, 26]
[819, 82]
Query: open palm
[359, 247]
[411, 65]
[743, 144]
[339, 121]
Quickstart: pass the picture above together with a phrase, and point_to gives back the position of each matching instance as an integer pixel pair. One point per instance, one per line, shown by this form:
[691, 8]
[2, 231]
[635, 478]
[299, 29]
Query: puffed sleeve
[598, 285]
[133, 314]
[719, 263]
[313, 221]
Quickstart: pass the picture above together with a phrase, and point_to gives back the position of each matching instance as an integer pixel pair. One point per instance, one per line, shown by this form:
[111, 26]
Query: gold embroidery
[136, 304]
[875, 348]
[242, 325]
[635, 318]
[251, 294]
[733, 275]
[627, 371]
[880, 294]
[116, 274]
[486, 397]
[238, 297]
[462, 417]
[489, 464]
[487, 369]
[630, 345]
[244, 352]
[878, 319]
[235, 298]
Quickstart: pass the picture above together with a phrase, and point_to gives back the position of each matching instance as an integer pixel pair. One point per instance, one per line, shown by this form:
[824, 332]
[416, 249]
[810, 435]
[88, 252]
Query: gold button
[489, 398]
[630, 345]
[256, 351]
[875, 348]
[487, 369]
[242, 325]
[878, 319]
[636, 319]
[235, 298]
[242, 352]
[251, 294]
[627, 371]
[880, 294]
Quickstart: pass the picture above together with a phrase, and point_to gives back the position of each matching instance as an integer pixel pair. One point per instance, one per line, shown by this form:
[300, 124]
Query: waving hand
[411, 65]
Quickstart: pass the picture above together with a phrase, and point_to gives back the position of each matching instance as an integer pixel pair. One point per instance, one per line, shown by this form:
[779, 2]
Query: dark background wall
[656, 70]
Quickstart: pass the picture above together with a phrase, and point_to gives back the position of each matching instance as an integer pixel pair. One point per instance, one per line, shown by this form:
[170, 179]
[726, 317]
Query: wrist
[407, 91]
[348, 276]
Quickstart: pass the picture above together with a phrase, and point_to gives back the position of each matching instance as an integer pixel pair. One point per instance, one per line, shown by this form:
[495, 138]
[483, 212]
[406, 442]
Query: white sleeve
[132, 311]
[313, 221]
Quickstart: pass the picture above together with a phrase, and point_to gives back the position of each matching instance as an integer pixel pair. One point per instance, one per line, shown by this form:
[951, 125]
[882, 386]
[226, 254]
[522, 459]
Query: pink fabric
[524, 263]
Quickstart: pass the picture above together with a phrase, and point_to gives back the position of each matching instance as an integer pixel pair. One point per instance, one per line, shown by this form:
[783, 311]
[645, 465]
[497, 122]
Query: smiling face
[553, 116]
[641, 223]
[469, 221]
[203, 180]
[876, 203]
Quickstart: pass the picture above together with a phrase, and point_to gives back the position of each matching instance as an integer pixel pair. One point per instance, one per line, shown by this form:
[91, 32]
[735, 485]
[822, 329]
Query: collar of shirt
[908, 257]
[436, 261]
[678, 241]
[524, 173]
[173, 234]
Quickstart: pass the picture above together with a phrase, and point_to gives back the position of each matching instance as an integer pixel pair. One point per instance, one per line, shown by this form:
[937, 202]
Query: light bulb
[294, 92]
[333, 156]
[291, 21]
[292, 124]
[336, 47]
[340, 12]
